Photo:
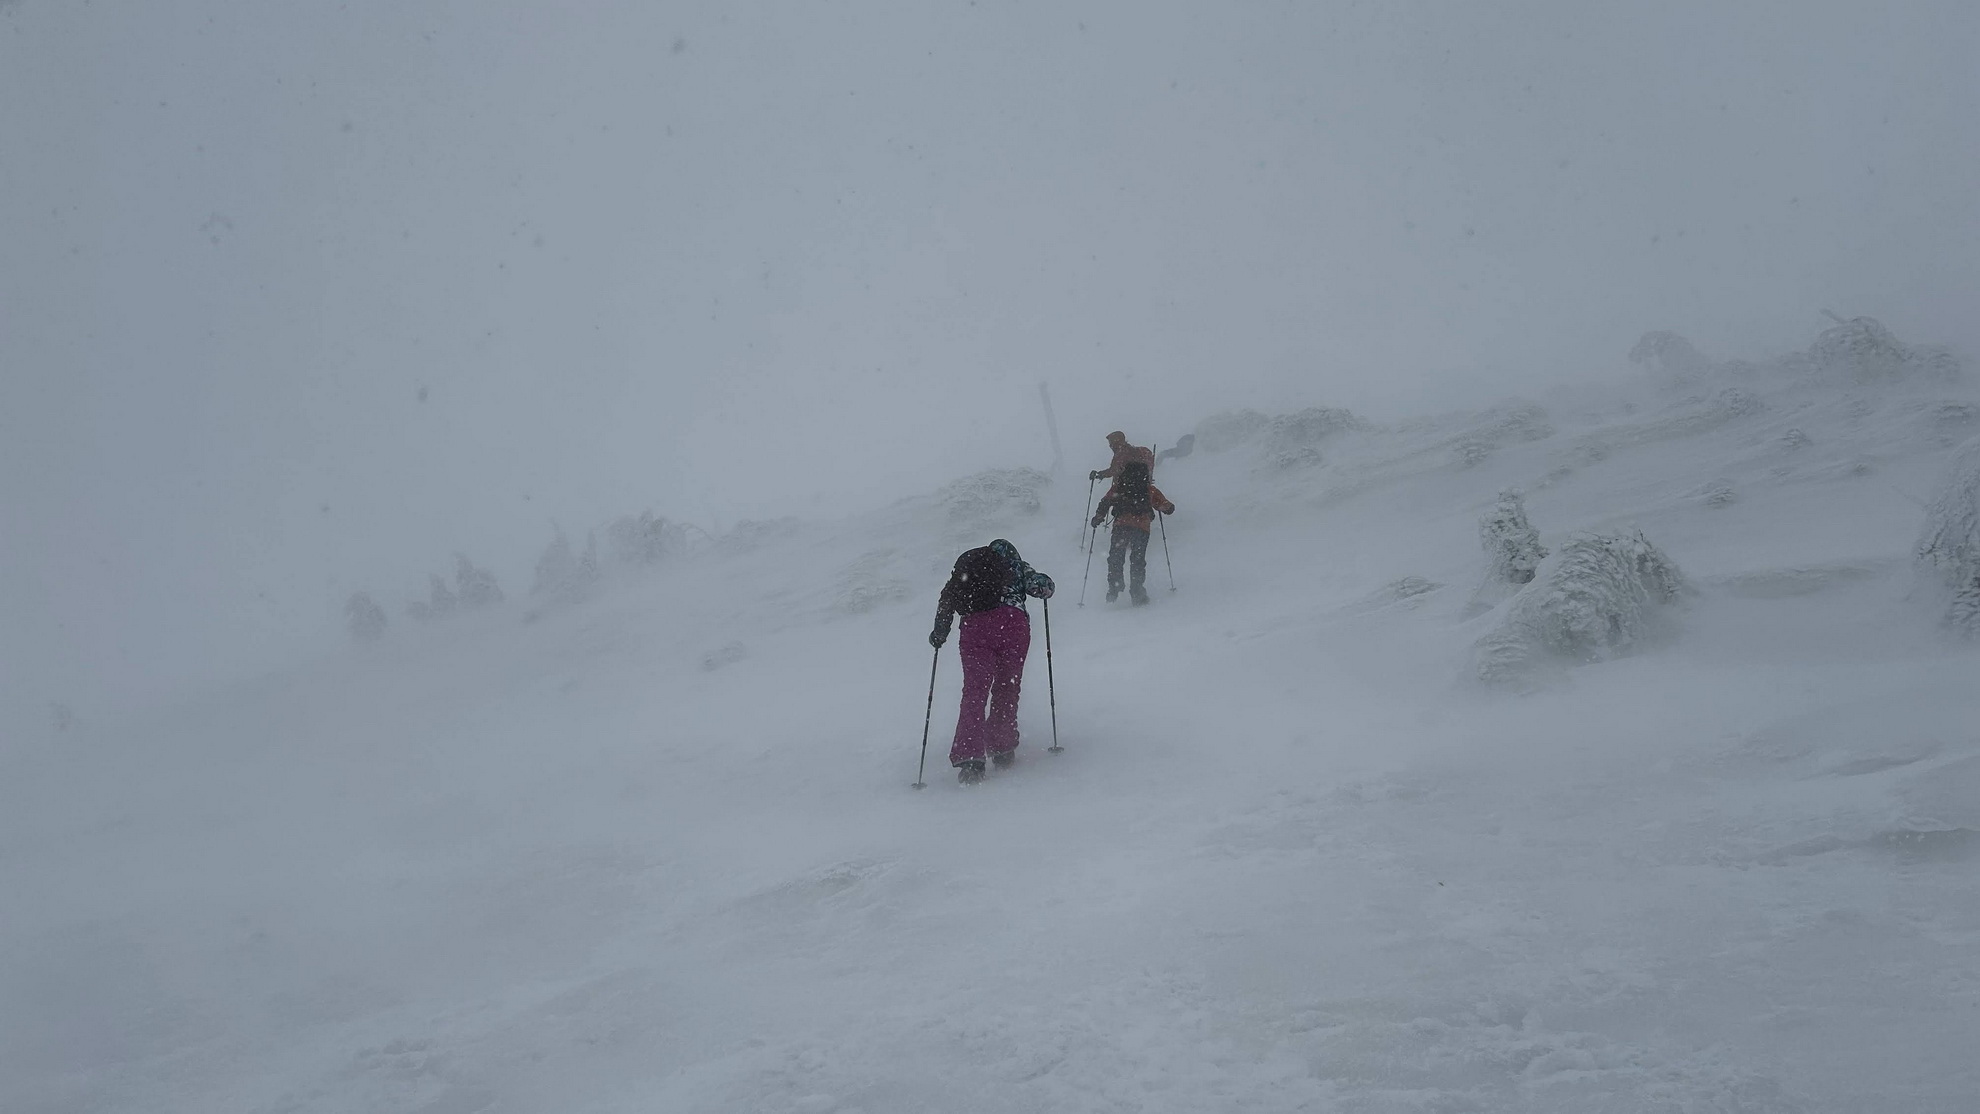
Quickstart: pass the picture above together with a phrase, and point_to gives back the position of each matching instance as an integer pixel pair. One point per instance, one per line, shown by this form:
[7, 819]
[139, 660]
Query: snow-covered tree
[1510, 540]
[642, 540]
[1512, 546]
[475, 587]
[440, 600]
[562, 575]
[440, 597]
[556, 567]
[1948, 551]
[364, 617]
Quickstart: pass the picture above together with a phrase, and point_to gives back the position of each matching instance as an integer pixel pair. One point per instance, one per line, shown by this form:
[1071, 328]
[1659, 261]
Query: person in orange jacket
[1134, 502]
[1123, 453]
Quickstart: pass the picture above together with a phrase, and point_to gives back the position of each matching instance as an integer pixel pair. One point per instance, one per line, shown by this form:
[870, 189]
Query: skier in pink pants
[988, 586]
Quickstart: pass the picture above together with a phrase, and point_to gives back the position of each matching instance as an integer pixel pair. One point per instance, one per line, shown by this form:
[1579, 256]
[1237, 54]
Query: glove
[1098, 519]
[938, 636]
[1093, 475]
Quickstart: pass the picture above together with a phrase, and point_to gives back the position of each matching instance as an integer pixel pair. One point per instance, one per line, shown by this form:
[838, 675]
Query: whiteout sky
[726, 260]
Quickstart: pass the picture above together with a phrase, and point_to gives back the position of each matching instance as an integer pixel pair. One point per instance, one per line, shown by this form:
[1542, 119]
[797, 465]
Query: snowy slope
[657, 851]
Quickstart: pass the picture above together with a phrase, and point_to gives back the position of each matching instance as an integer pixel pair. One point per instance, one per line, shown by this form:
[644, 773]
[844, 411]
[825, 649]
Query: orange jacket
[1141, 522]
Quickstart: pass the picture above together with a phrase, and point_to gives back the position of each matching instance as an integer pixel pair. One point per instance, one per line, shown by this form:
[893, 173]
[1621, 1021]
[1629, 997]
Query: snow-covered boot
[1113, 593]
[1003, 759]
[969, 772]
[1139, 595]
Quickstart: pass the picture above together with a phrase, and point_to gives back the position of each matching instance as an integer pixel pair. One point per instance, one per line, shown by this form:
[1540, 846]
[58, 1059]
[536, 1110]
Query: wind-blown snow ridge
[654, 849]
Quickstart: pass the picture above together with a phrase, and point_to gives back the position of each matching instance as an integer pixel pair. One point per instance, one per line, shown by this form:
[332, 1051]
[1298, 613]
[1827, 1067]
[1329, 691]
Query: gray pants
[1128, 546]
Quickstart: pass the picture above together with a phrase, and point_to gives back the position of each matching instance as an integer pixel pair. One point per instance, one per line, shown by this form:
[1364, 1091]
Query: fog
[301, 299]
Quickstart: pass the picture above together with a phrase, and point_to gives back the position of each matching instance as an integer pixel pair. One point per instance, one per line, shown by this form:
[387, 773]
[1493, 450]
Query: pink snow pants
[993, 645]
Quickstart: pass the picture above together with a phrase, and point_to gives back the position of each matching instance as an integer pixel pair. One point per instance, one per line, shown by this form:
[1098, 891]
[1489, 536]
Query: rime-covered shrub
[1309, 426]
[750, 534]
[1229, 429]
[364, 617]
[1293, 440]
[1671, 355]
[1470, 453]
[474, 587]
[1524, 421]
[1510, 540]
[1948, 550]
[1593, 600]
[870, 582]
[990, 499]
[1738, 402]
[440, 602]
[1718, 493]
[726, 656]
[643, 540]
[556, 567]
[1963, 615]
[1513, 548]
[561, 574]
[1862, 350]
[1407, 593]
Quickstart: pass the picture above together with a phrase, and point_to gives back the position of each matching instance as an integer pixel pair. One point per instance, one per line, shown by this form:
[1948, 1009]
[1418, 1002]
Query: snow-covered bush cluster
[1948, 551]
[1597, 598]
[364, 617]
[1859, 350]
[1671, 356]
[869, 582]
[1293, 440]
[1284, 440]
[992, 499]
[1229, 429]
[474, 588]
[1478, 436]
[644, 539]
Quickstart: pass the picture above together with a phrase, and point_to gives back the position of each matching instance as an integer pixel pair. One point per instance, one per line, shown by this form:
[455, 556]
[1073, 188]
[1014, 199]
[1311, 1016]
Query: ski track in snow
[657, 851]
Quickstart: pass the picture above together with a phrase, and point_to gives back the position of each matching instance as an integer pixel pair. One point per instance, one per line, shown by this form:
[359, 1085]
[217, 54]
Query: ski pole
[1051, 688]
[1159, 516]
[1089, 507]
[1089, 566]
[929, 716]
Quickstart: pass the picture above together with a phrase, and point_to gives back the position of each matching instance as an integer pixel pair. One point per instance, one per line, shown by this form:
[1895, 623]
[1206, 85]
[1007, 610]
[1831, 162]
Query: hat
[1117, 435]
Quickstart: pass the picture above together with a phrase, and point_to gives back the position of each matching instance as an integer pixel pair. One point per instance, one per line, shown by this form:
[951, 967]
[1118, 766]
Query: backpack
[980, 578]
[1131, 491]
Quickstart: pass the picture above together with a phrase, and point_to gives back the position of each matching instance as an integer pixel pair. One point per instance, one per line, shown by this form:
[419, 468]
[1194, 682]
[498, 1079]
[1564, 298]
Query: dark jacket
[1015, 581]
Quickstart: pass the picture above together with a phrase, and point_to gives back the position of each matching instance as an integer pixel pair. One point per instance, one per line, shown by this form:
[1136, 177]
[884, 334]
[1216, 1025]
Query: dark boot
[969, 772]
[1139, 595]
[1003, 759]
